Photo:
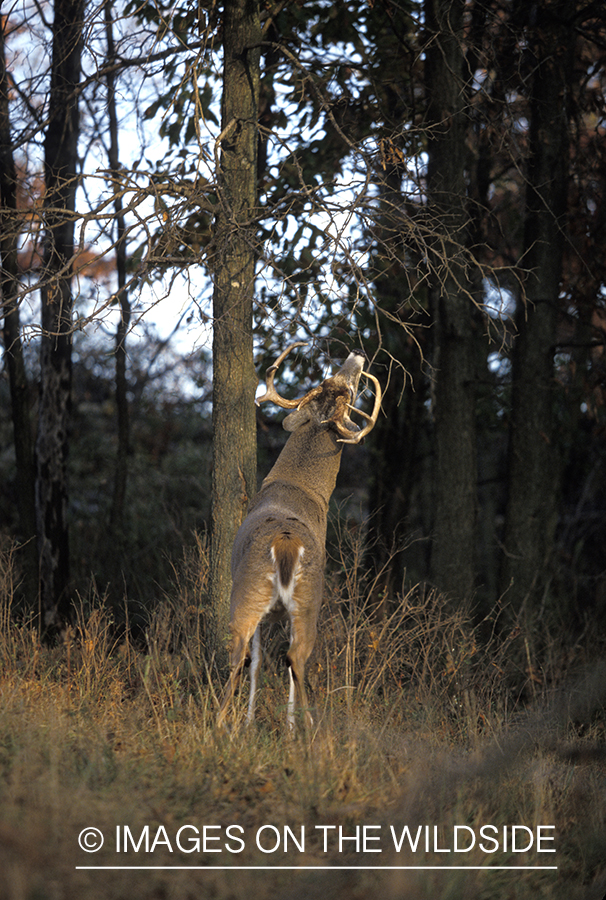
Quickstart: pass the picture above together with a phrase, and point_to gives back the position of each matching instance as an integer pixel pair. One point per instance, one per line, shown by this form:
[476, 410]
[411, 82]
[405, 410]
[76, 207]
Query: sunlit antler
[279, 554]
[271, 395]
[347, 437]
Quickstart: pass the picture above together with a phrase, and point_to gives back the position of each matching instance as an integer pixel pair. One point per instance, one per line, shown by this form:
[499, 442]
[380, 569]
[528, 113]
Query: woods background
[423, 180]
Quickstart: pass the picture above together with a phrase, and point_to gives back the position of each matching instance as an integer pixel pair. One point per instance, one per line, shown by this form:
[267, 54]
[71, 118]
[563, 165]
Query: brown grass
[418, 722]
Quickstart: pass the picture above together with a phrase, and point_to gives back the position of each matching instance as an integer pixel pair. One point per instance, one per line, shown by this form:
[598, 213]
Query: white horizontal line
[322, 868]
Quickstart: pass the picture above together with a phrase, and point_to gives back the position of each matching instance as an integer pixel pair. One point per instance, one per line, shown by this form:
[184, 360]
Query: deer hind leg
[248, 608]
[255, 661]
[238, 658]
[302, 640]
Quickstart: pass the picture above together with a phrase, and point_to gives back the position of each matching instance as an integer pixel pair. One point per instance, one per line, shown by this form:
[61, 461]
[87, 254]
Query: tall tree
[533, 471]
[451, 291]
[60, 183]
[233, 272]
[123, 416]
[11, 332]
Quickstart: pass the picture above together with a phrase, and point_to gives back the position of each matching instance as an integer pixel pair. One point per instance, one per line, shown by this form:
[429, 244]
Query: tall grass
[419, 721]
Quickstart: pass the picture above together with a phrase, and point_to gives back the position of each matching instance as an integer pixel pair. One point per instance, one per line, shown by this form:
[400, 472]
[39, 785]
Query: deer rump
[278, 572]
[279, 550]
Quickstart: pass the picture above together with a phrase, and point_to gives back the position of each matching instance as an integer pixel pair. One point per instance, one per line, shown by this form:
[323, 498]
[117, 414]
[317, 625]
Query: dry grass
[418, 723]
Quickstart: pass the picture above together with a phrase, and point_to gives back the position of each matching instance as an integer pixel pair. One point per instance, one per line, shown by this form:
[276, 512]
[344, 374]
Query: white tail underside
[290, 510]
[284, 594]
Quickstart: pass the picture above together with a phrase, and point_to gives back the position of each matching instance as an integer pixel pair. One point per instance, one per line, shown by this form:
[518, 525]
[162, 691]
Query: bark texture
[234, 377]
[452, 567]
[11, 331]
[122, 407]
[533, 472]
[61, 175]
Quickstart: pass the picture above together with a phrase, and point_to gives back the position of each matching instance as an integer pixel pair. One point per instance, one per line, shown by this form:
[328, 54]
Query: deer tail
[286, 553]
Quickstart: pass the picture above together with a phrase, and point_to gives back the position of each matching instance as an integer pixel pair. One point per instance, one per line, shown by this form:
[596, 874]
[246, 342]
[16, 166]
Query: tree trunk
[11, 334]
[123, 413]
[234, 377]
[9, 234]
[533, 471]
[398, 435]
[60, 175]
[452, 567]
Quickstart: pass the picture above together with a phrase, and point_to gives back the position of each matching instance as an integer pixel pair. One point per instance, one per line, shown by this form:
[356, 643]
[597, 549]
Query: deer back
[293, 500]
[278, 554]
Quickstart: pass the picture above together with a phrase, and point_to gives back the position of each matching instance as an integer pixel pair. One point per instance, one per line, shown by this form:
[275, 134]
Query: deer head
[279, 551]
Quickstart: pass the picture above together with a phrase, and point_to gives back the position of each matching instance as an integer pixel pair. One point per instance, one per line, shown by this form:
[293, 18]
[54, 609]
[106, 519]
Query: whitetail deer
[279, 551]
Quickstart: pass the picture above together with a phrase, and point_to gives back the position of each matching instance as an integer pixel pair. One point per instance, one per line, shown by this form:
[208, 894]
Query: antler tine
[271, 394]
[371, 419]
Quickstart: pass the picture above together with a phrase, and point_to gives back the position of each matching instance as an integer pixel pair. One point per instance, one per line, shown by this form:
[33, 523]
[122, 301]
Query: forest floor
[428, 772]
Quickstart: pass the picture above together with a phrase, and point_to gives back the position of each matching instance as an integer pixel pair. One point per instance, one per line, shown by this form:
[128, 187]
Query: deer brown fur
[278, 556]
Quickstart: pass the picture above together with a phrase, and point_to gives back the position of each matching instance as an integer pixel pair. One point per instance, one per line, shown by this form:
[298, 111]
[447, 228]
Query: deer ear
[296, 418]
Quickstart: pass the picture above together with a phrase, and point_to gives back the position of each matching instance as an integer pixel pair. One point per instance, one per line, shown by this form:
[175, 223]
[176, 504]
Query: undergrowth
[418, 722]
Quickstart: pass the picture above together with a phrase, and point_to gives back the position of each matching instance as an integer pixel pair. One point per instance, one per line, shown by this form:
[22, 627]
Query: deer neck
[310, 460]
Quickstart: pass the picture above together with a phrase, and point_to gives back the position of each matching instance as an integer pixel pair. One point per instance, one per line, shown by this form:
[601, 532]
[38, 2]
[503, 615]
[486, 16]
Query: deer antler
[278, 557]
[355, 438]
[271, 394]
